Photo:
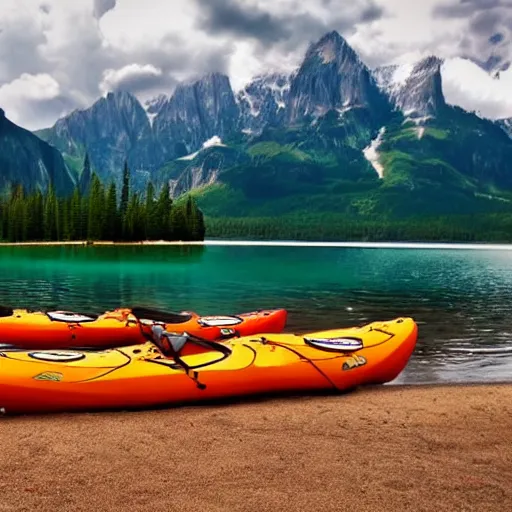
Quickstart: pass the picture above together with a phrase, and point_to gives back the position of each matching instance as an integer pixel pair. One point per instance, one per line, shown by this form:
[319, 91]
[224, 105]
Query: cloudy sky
[58, 55]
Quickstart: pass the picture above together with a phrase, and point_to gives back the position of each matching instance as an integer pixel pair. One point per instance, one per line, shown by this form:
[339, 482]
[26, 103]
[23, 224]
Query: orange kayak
[63, 329]
[166, 372]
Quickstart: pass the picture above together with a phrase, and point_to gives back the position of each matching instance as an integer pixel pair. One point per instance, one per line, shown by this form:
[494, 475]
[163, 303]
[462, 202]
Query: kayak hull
[59, 330]
[141, 376]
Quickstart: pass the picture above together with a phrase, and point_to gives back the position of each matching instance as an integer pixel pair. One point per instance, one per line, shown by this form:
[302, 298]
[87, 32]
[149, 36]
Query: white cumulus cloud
[467, 85]
[18, 97]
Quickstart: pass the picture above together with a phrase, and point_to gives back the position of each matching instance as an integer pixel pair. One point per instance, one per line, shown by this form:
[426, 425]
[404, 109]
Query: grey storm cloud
[489, 30]
[20, 42]
[228, 16]
[485, 22]
[140, 82]
[237, 18]
[371, 13]
[465, 8]
[101, 7]
[168, 57]
[46, 110]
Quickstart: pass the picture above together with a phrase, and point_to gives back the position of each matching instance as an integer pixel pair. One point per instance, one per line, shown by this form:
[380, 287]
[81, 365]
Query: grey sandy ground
[381, 449]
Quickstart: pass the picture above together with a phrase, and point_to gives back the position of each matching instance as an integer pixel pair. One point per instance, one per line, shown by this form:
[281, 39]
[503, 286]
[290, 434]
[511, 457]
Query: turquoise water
[461, 299]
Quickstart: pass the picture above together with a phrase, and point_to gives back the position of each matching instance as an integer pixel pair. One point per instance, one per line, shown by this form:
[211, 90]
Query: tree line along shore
[94, 212]
[332, 227]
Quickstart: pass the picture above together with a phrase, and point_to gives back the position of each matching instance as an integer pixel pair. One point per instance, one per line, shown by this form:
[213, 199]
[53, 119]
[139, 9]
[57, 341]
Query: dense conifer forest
[95, 212]
[481, 227]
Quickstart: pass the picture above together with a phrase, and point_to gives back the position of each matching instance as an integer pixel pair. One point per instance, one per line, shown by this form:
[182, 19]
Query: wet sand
[390, 448]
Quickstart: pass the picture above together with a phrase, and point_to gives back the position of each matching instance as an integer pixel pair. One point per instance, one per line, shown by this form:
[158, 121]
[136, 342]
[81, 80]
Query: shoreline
[274, 243]
[408, 447]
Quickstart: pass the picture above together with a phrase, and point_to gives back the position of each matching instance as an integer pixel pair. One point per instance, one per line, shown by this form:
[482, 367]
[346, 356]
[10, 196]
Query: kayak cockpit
[146, 315]
[172, 345]
[6, 311]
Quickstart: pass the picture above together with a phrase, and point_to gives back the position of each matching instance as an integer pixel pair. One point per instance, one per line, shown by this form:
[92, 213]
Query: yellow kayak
[179, 368]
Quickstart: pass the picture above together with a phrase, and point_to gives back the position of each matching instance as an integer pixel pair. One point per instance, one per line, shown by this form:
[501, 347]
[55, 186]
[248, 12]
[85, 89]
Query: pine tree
[163, 211]
[64, 209]
[151, 214]
[96, 210]
[178, 222]
[195, 220]
[112, 223]
[76, 227]
[18, 215]
[125, 191]
[134, 223]
[84, 182]
[36, 216]
[50, 215]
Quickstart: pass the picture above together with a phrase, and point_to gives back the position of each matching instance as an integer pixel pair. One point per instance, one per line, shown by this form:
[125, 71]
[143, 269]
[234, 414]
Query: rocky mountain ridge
[415, 89]
[262, 102]
[332, 119]
[27, 160]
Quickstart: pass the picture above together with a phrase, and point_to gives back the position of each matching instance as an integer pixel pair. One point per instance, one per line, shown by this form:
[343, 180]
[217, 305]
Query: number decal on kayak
[52, 376]
[354, 362]
[57, 356]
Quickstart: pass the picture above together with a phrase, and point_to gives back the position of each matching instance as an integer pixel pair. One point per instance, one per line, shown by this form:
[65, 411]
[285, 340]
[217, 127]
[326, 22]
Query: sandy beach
[388, 448]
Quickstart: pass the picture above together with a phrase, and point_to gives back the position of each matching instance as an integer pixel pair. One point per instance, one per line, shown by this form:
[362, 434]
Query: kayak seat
[166, 317]
[169, 344]
[6, 311]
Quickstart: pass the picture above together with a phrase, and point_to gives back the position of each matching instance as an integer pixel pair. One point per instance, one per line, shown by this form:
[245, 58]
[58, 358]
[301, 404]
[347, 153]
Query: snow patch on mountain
[506, 126]
[418, 121]
[391, 79]
[153, 106]
[244, 95]
[213, 141]
[264, 89]
[263, 101]
[371, 154]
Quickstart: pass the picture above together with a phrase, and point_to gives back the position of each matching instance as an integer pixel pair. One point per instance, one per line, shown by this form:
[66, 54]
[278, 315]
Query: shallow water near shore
[461, 298]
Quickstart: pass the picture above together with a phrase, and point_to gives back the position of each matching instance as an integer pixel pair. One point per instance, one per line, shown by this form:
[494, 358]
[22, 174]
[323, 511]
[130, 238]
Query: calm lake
[461, 298]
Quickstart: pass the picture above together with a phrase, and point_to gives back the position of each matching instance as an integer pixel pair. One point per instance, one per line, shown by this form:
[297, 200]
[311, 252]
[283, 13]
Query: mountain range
[333, 136]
